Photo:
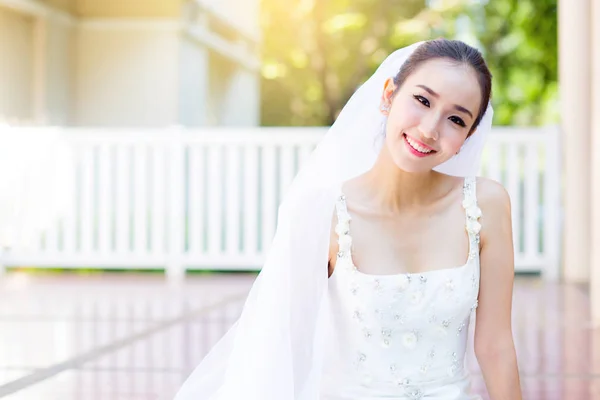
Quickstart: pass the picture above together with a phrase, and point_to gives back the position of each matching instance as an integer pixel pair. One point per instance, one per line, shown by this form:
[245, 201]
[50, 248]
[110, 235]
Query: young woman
[386, 246]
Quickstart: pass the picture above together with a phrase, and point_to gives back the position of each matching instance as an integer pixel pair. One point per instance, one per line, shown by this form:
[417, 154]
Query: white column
[574, 77]
[194, 81]
[595, 166]
[16, 67]
[242, 98]
[40, 77]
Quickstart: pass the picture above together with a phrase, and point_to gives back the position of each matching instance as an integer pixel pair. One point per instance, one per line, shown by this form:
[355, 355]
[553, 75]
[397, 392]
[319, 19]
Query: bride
[386, 246]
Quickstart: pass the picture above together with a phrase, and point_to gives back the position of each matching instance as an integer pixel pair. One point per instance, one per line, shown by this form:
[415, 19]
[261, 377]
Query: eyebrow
[456, 106]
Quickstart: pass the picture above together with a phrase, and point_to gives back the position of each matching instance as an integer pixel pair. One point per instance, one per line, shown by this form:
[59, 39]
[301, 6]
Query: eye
[458, 121]
[422, 100]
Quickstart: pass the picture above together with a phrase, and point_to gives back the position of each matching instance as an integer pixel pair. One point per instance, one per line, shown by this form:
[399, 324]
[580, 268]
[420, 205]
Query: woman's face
[430, 116]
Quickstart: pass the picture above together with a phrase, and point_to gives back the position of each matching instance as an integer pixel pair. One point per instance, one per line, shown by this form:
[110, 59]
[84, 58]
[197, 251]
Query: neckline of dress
[407, 274]
[445, 270]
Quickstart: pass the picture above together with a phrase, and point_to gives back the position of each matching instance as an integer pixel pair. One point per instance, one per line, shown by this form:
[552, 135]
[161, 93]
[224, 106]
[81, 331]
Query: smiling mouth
[416, 147]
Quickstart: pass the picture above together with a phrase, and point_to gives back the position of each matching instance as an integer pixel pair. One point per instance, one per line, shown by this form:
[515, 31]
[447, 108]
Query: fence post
[174, 269]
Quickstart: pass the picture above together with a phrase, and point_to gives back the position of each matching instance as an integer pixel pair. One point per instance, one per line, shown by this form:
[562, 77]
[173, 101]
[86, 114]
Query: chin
[413, 167]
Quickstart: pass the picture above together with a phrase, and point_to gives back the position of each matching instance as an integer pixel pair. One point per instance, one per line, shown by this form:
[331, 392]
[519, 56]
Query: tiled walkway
[134, 337]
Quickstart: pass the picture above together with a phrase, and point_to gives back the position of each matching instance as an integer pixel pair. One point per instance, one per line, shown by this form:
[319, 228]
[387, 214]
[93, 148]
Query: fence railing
[207, 199]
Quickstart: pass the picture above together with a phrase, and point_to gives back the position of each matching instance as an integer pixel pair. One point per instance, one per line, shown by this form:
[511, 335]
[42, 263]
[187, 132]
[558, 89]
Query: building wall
[234, 93]
[59, 82]
[98, 63]
[128, 9]
[126, 77]
[242, 14]
[69, 6]
[16, 66]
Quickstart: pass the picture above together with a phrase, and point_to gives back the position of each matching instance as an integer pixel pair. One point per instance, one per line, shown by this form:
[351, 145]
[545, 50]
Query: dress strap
[472, 214]
[343, 227]
[342, 209]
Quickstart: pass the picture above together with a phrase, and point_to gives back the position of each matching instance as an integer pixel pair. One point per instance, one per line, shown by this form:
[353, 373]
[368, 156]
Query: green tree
[519, 38]
[316, 52]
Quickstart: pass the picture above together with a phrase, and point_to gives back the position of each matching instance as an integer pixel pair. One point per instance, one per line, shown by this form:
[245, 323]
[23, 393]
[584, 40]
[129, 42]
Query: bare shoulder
[492, 196]
[494, 202]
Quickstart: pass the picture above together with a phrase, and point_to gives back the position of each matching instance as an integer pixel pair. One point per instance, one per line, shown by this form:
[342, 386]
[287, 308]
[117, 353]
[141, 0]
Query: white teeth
[416, 146]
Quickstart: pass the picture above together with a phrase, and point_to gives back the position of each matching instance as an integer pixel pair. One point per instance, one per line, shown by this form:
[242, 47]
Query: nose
[429, 127]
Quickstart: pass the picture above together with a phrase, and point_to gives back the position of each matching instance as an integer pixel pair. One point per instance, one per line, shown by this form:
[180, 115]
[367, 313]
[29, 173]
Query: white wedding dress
[401, 336]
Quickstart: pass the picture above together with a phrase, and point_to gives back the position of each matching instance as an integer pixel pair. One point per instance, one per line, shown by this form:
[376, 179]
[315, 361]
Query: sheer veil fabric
[275, 349]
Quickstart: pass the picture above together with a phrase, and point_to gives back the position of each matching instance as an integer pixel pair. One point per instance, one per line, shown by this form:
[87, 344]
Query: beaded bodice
[400, 336]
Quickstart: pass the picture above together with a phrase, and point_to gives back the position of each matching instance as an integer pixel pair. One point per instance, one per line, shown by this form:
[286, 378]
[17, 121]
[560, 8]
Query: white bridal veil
[274, 351]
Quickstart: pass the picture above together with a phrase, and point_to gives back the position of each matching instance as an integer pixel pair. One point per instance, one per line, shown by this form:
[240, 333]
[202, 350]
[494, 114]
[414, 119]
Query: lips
[417, 148]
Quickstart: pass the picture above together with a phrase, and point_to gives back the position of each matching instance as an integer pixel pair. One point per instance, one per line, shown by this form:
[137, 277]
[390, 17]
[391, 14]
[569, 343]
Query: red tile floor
[135, 337]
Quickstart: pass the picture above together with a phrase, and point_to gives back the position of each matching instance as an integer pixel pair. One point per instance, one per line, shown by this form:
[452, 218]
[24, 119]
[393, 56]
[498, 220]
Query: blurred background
[146, 145]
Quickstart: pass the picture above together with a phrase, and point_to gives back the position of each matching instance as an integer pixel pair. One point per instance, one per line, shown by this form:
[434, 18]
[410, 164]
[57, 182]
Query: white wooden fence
[207, 199]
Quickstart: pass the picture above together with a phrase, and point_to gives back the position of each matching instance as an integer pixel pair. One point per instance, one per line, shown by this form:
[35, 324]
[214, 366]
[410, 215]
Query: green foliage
[316, 52]
[519, 38]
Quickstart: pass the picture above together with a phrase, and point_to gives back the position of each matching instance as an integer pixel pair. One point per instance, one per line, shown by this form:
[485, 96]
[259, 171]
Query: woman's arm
[494, 346]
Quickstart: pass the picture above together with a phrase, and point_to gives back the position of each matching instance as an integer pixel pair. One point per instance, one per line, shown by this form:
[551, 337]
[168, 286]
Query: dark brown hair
[454, 51]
